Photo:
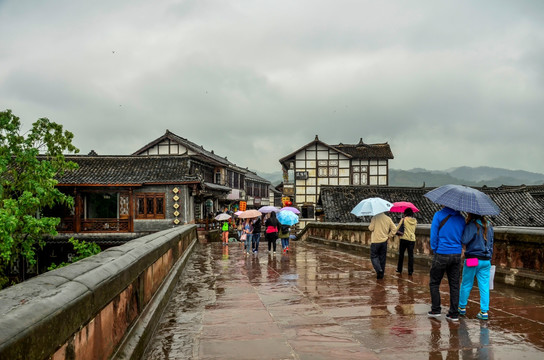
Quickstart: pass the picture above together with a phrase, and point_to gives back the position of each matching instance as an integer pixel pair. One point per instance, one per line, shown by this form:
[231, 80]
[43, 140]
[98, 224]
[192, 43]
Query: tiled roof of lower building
[137, 169]
[518, 206]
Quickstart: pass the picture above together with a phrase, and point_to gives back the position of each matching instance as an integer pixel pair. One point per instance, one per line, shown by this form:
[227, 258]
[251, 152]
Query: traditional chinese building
[128, 193]
[218, 173]
[317, 164]
[169, 181]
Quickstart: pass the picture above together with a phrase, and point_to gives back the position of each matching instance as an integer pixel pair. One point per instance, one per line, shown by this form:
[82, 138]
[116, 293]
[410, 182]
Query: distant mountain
[484, 173]
[420, 178]
[478, 176]
[275, 177]
[464, 175]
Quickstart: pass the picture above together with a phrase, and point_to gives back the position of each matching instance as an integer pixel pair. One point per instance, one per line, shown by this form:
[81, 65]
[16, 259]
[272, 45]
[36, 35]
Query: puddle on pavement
[322, 296]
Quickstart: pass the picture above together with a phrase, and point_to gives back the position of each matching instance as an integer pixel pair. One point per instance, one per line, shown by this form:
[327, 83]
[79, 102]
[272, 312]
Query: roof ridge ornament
[316, 138]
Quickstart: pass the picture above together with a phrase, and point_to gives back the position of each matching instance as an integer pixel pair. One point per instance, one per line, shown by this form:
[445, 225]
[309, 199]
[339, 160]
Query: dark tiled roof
[367, 151]
[518, 207]
[217, 187]
[138, 169]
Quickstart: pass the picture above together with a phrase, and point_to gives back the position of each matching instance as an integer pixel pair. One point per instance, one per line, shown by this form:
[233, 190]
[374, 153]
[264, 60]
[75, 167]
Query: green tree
[29, 163]
[82, 248]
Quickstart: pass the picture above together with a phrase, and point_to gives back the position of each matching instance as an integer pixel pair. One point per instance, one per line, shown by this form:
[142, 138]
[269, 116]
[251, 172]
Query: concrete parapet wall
[518, 252]
[101, 307]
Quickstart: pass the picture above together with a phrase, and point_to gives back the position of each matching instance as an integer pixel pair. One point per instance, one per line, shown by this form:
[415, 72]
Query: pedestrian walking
[382, 228]
[240, 228]
[284, 237]
[248, 230]
[225, 234]
[271, 231]
[407, 232]
[478, 241]
[446, 232]
[256, 235]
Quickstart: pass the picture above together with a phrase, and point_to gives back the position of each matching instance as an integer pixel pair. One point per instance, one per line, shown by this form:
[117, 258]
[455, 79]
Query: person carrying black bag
[406, 230]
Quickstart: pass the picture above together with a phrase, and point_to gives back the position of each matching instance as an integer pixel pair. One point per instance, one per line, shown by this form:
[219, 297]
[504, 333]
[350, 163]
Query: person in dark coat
[255, 239]
[271, 231]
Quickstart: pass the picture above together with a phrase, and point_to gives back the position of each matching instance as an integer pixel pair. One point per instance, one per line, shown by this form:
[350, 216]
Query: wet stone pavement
[322, 303]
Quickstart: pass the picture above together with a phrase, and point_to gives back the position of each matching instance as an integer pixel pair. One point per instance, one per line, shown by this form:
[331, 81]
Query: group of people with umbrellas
[450, 231]
[277, 224]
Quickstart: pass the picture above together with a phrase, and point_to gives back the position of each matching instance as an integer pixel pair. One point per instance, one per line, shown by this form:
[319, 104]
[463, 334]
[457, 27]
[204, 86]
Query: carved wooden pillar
[130, 210]
[77, 212]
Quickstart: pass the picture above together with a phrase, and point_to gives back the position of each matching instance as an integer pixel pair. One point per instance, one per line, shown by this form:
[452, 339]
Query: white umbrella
[371, 207]
[222, 217]
[268, 209]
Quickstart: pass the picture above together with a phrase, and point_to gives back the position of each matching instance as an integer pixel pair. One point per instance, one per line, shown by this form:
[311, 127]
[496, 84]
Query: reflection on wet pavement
[320, 303]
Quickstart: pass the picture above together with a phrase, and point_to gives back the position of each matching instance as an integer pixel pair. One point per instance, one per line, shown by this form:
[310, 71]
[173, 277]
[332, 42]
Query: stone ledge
[40, 315]
[515, 277]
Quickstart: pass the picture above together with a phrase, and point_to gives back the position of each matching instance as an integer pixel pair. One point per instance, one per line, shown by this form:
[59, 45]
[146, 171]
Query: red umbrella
[403, 205]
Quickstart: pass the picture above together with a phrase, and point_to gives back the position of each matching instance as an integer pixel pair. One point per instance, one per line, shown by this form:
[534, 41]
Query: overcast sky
[445, 83]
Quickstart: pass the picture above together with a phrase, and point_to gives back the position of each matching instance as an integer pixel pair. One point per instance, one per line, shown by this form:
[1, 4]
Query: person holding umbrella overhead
[446, 232]
[225, 227]
[447, 229]
[271, 231]
[407, 233]
[381, 227]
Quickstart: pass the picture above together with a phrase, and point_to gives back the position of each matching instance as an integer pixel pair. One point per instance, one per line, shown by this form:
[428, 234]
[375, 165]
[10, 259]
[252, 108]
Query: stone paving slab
[322, 303]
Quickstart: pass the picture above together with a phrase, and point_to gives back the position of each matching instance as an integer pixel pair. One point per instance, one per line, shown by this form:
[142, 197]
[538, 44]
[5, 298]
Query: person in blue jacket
[478, 241]
[446, 232]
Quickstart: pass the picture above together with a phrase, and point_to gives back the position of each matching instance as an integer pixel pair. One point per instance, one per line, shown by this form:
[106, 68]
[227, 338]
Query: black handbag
[400, 231]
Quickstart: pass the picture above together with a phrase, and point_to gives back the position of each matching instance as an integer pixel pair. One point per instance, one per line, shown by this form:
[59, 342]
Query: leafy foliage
[28, 165]
[83, 249]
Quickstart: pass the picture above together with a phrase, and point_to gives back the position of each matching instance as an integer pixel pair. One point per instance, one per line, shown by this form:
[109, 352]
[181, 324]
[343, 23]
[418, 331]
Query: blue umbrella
[463, 198]
[371, 206]
[287, 217]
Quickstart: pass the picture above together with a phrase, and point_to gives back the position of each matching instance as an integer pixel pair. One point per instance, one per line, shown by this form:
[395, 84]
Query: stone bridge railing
[518, 252]
[101, 307]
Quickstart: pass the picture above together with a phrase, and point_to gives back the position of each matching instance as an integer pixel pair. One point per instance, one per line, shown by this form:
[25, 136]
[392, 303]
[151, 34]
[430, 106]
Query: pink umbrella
[403, 205]
[248, 214]
[291, 209]
[238, 212]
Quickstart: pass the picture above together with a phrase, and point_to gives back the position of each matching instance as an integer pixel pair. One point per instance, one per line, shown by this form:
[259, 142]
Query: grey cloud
[445, 83]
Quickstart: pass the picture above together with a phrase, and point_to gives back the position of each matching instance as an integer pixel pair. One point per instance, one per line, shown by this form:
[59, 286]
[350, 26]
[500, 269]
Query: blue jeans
[450, 264]
[284, 242]
[481, 272]
[248, 242]
[255, 241]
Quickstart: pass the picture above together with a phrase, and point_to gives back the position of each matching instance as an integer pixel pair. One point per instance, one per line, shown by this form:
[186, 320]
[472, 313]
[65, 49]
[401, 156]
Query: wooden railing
[208, 224]
[94, 225]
